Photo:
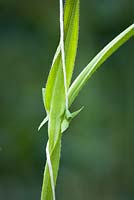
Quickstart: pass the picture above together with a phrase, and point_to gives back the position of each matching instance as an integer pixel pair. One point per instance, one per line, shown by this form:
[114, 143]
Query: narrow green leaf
[97, 61]
[55, 91]
[43, 122]
[71, 22]
[71, 29]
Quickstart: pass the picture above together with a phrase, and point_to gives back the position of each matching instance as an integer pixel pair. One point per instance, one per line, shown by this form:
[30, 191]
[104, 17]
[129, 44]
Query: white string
[63, 50]
[50, 170]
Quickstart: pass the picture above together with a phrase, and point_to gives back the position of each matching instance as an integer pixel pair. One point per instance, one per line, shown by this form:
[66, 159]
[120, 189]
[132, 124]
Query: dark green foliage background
[97, 159]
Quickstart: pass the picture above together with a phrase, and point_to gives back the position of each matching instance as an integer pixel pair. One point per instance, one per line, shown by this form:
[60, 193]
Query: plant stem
[46, 193]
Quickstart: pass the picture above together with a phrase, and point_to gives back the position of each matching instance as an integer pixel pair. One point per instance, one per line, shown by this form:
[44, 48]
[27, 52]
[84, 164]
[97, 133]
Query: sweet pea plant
[59, 93]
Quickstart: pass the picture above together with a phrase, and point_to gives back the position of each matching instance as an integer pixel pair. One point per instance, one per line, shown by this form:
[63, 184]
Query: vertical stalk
[55, 97]
[54, 127]
[46, 193]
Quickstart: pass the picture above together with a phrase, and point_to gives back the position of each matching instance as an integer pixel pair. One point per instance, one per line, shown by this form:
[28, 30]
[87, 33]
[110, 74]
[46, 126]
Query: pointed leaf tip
[43, 122]
[68, 117]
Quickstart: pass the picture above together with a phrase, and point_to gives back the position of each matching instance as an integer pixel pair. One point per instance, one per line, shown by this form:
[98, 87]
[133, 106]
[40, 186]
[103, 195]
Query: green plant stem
[54, 127]
[54, 97]
[46, 193]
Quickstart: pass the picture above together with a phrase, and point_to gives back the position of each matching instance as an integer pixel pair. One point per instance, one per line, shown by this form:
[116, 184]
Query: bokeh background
[97, 159]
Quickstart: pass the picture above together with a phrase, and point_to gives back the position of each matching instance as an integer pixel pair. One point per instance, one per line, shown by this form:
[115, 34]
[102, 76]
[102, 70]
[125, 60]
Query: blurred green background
[97, 159]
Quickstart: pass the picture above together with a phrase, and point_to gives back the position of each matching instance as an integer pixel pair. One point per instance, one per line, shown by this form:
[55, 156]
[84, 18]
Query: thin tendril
[50, 170]
[63, 50]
